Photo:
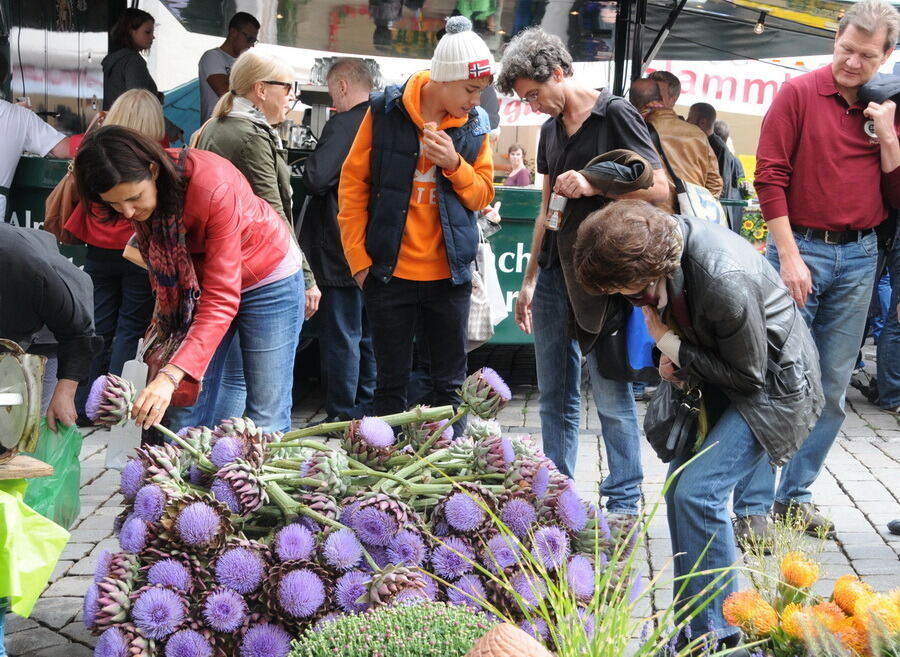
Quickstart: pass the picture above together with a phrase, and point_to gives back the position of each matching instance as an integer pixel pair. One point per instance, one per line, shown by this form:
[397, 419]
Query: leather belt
[831, 236]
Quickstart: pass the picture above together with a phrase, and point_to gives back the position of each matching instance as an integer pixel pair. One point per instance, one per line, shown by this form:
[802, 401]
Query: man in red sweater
[826, 168]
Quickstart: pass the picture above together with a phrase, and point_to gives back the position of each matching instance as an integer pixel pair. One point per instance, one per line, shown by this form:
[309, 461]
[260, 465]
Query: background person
[215, 64]
[519, 175]
[744, 339]
[345, 341]
[221, 262]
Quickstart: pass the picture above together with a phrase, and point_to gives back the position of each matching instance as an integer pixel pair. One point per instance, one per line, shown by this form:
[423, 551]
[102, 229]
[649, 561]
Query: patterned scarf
[161, 241]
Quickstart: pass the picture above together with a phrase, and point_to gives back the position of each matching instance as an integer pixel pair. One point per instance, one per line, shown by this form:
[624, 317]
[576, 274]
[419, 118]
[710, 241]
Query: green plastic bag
[30, 546]
[57, 497]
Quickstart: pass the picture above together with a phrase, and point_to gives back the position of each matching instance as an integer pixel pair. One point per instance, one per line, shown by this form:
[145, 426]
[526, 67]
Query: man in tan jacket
[685, 145]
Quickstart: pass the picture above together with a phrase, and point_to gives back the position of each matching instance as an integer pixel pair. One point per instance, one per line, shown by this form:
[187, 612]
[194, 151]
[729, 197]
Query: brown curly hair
[627, 244]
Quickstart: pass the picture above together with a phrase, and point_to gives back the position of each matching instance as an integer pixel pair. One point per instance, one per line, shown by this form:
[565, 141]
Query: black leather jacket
[747, 337]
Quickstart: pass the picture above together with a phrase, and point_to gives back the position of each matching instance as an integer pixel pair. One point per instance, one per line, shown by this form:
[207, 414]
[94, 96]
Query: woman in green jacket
[240, 130]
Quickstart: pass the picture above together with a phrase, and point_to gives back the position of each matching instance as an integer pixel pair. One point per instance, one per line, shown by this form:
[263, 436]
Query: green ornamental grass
[426, 629]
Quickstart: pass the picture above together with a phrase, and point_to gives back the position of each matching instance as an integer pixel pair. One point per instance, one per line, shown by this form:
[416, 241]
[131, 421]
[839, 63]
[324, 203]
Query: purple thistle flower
[150, 502]
[551, 546]
[90, 606]
[463, 513]
[637, 587]
[536, 628]
[342, 550]
[195, 475]
[198, 524]
[170, 572]
[374, 526]
[379, 554]
[349, 588]
[301, 593]
[496, 382]
[132, 478]
[587, 621]
[111, 643]
[188, 643]
[469, 591]
[452, 558]
[240, 569]
[376, 432]
[95, 398]
[102, 568]
[509, 453]
[603, 524]
[581, 577]
[226, 450]
[294, 542]
[225, 494]
[266, 640]
[347, 512]
[225, 610]
[158, 612]
[330, 617]
[133, 537]
[541, 481]
[518, 515]
[407, 548]
[530, 588]
[572, 510]
[502, 551]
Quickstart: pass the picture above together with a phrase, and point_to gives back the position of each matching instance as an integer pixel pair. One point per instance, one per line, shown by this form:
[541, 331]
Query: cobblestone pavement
[859, 490]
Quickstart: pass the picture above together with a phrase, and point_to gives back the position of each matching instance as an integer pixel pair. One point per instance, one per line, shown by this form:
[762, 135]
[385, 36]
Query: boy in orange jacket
[418, 173]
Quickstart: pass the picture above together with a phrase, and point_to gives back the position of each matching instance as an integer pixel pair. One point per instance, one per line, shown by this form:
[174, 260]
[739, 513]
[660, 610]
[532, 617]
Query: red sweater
[815, 162]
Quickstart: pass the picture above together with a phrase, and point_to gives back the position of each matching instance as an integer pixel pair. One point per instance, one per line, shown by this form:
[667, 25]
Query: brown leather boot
[753, 533]
[805, 517]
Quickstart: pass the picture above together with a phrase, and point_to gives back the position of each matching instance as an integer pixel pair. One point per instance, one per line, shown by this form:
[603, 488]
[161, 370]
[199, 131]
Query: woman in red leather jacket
[221, 262]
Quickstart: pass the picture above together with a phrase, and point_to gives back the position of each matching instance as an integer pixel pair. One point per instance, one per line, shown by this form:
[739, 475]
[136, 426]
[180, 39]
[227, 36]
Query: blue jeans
[842, 278]
[123, 306]
[4, 607]
[697, 509]
[268, 322]
[231, 400]
[345, 352]
[558, 361]
[889, 340]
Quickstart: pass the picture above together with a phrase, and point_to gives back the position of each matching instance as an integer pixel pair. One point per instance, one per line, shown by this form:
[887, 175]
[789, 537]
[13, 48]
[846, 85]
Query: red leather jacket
[235, 238]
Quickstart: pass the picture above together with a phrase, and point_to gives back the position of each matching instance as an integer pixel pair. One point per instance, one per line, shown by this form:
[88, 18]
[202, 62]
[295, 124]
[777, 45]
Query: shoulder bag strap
[679, 185]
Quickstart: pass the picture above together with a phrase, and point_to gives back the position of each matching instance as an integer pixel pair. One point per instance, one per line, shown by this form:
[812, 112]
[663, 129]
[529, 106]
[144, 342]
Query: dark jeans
[394, 308]
[123, 306]
[345, 345]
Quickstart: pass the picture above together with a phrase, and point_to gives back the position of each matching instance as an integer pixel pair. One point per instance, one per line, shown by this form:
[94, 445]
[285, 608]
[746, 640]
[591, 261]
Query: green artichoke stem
[404, 473]
[312, 444]
[202, 462]
[362, 468]
[442, 489]
[423, 450]
[418, 414]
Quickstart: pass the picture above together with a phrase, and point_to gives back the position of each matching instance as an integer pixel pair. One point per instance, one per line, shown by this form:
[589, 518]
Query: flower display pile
[754, 228]
[234, 541]
[854, 621]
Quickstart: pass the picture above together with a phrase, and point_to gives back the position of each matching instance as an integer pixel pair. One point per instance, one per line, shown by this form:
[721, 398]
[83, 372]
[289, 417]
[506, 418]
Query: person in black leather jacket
[724, 321]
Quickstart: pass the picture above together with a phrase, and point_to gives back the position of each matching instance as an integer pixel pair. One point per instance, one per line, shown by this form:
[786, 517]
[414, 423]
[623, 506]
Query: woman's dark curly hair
[533, 55]
[113, 155]
[627, 244]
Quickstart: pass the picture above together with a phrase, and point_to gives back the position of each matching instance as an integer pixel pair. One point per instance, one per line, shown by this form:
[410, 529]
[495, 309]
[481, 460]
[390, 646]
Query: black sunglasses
[638, 295]
[288, 86]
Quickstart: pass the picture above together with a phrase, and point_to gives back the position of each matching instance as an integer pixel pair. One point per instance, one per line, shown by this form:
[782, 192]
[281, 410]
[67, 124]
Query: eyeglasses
[250, 38]
[288, 86]
[644, 291]
[531, 96]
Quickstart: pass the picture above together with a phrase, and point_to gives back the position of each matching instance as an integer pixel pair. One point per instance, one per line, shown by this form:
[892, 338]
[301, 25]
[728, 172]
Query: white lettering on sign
[511, 297]
[520, 259]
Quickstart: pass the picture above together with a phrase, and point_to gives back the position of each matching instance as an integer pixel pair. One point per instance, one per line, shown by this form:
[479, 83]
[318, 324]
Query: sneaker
[805, 517]
[894, 527]
[753, 533]
[866, 384]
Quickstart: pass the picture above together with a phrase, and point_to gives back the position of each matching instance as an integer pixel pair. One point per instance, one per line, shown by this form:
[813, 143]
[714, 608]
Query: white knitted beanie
[461, 54]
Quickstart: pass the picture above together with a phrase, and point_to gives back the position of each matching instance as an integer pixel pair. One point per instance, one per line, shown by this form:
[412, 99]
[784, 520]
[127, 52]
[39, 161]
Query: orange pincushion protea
[798, 571]
[848, 590]
[748, 611]
[794, 619]
[878, 615]
[829, 615]
[852, 636]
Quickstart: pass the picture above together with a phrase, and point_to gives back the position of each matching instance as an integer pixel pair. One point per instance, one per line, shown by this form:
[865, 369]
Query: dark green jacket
[254, 151]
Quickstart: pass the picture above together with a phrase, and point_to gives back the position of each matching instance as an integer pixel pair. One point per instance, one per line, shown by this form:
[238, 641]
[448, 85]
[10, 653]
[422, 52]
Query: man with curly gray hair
[583, 123]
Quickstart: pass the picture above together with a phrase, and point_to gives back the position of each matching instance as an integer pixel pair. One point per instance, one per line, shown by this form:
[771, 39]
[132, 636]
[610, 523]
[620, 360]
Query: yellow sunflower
[748, 611]
[798, 571]
[747, 225]
[759, 233]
